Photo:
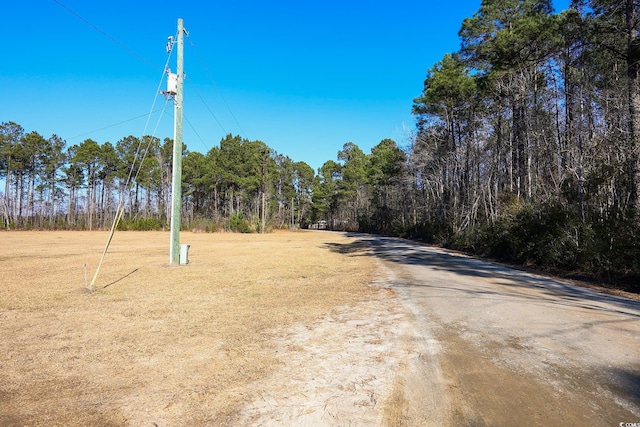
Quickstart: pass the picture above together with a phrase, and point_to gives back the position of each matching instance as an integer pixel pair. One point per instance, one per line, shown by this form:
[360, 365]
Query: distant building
[320, 225]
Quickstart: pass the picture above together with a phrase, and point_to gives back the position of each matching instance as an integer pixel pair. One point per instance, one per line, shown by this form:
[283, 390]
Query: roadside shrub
[546, 236]
[433, 232]
[614, 253]
[203, 224]
[238, 223]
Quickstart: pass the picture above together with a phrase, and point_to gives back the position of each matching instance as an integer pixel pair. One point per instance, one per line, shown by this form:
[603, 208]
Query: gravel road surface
[501, 347]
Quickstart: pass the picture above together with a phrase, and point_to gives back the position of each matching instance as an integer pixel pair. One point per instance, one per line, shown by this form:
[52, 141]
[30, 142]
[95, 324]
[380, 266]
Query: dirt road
[453, 341]
[500, 347]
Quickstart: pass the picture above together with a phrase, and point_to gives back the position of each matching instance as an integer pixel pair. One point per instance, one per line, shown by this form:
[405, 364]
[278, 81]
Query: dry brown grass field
[157, 344]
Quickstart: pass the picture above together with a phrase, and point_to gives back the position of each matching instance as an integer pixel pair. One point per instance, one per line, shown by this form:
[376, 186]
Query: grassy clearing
[171, 345]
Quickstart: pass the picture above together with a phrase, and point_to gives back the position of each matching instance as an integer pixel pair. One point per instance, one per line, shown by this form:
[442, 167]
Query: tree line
[528, 138]
[526, 148]
[239, 185]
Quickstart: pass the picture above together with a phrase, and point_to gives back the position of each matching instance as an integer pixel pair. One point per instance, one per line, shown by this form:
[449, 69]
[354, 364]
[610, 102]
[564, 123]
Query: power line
[155, 99]
[206, 69]
[115, 124]
[129, 183]
[209, 109]
[142, 58]
[131, 51]
[148, 115]
[197, 134]
[104, 33]
[151, 138]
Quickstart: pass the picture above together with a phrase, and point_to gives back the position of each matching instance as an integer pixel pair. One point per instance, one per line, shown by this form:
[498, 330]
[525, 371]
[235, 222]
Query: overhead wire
[206, 69]
[206, 146]
[209, 109]
[104, 33]
[127, 186]
[114, 124]
[142, 58]
[196, 132]
[155, 99]
[151, 138]
[120, 209]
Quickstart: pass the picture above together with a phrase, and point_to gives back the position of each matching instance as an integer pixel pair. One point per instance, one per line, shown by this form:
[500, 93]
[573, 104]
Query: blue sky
[303, 77]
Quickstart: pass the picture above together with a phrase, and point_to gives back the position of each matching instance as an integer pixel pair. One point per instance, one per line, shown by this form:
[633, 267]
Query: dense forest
[526, 148]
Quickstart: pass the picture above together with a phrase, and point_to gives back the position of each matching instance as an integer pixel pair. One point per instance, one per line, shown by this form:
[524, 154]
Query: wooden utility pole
[176, 187]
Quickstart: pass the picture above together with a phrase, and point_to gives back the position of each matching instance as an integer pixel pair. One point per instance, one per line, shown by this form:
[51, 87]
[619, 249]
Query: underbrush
[601, 247]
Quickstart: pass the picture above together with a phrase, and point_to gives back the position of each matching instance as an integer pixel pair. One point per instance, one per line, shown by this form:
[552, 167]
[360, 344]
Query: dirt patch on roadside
[335, 371]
